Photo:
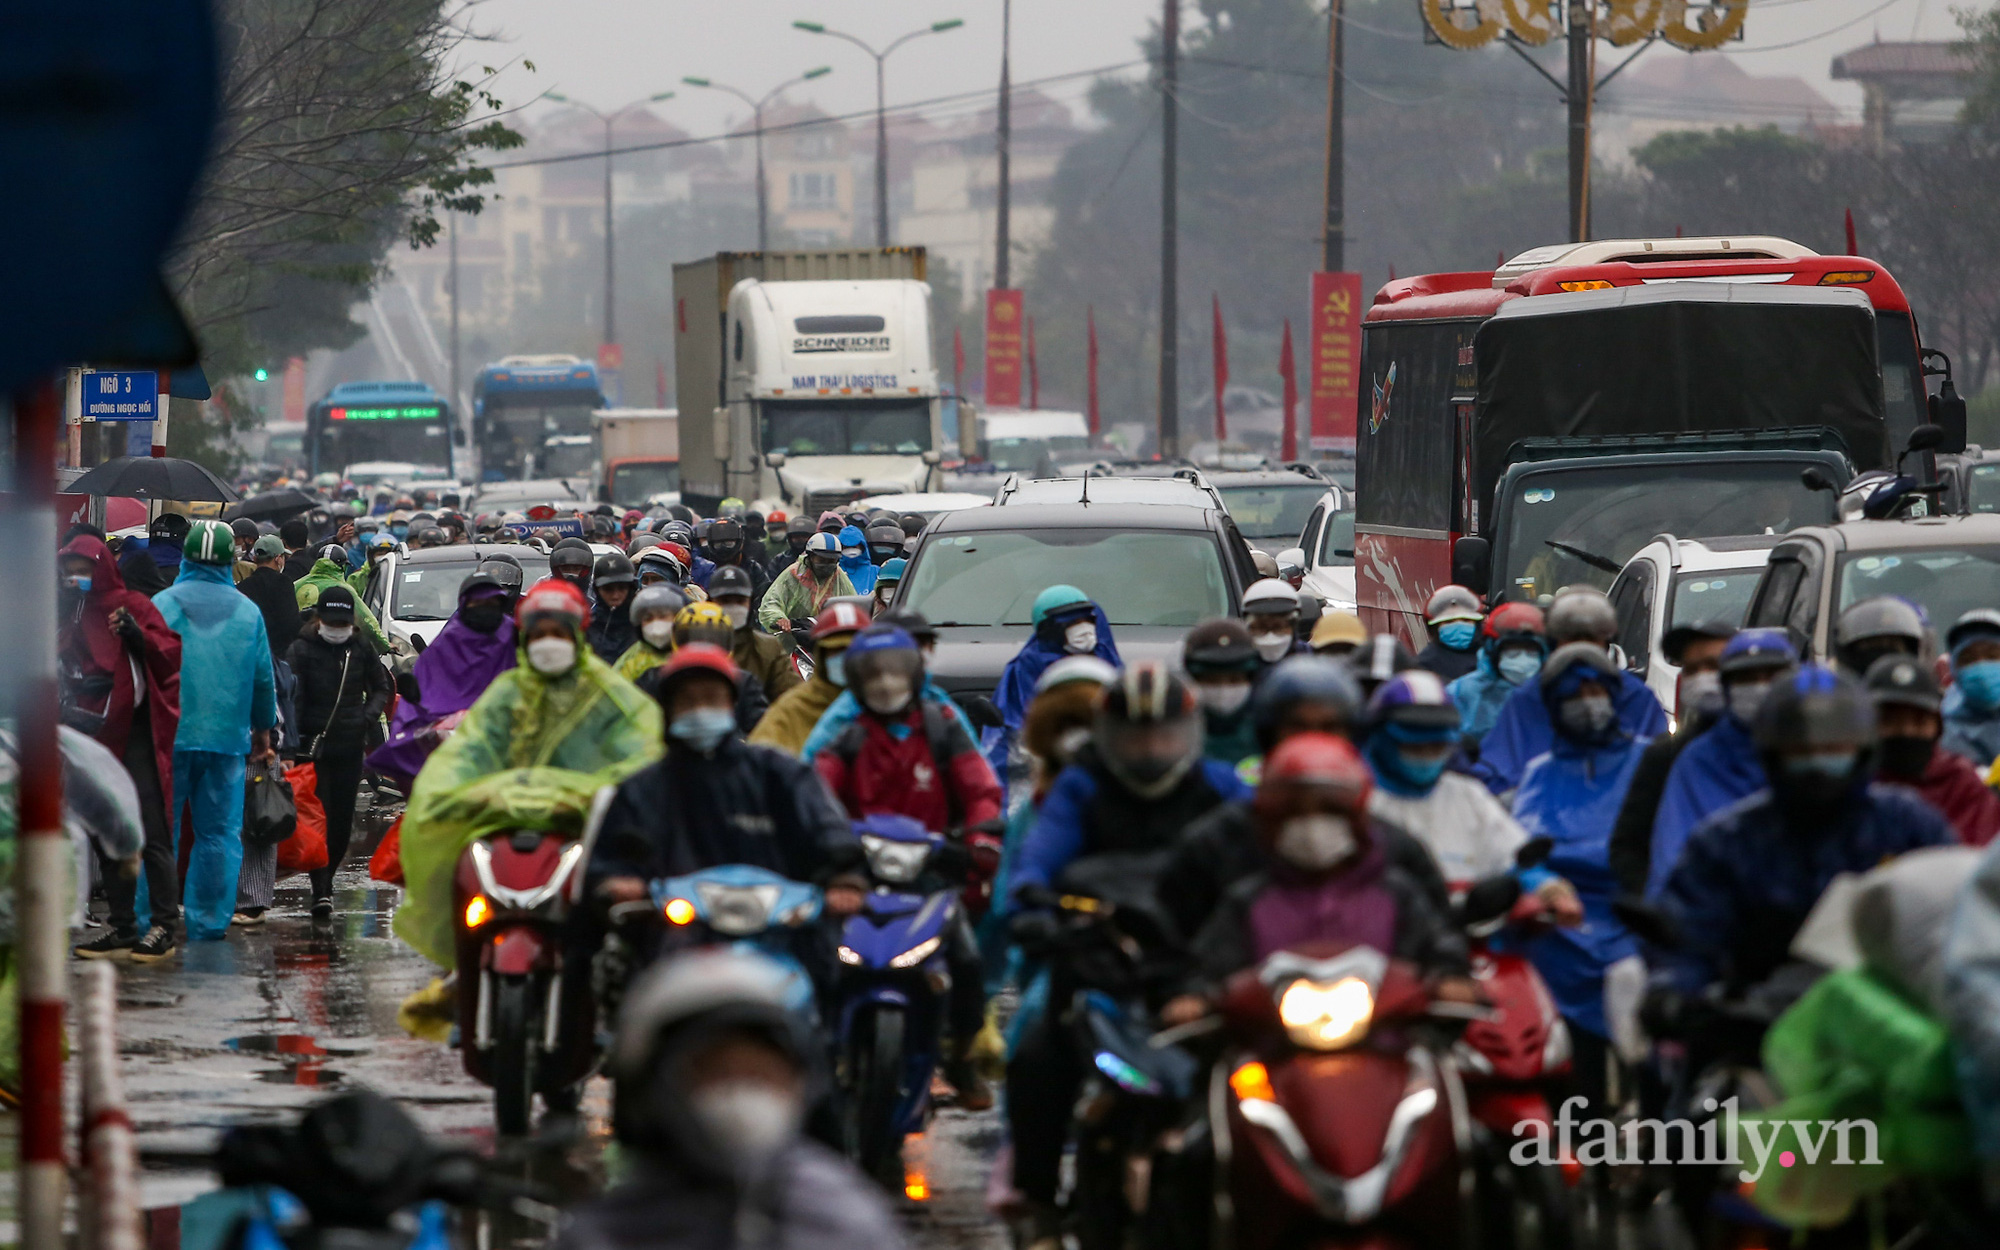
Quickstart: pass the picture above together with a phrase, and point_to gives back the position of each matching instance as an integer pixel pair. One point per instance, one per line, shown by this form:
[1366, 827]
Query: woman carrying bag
[343, 689]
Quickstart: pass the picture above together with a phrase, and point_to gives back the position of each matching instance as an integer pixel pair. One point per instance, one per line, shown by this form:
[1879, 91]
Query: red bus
[1567, 407]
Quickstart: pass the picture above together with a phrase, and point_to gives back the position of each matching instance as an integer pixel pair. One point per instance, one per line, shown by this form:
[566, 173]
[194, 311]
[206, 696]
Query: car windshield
[1139, 577]
[632, 485]
[429, 592]
[1035, 455]
[1946, 582]
[565, 459]
[1337, 547]
[1983, 488]
[848, 427]
[1720, 595]
[1272, 511]
[1581, 525]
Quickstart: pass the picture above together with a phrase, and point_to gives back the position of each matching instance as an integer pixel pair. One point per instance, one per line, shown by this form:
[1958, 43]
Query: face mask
[1587, 716]
[1518, 666]
[1080, 638]
[723, 552]
[1458, 635]
[797, 542]
[1745, 697]
[835, 669]
[1905, 757]
[821, 566]
[886, 694]
[1821, 766]
[749, 1122]
[80, 585]
[1421, 772]
[1317, 842]
[1980, 681]
[336, 634]
[850, 554]
[482, 618]
[1070, 741]
[659, 631]
[1272, 647]
[552, 657]
[704, 728]
[1226, 699]
[399, 532]
[1702, 692]
[738, 614]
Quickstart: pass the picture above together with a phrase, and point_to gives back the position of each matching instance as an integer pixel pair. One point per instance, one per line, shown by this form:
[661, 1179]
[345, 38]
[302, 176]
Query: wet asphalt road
[257, 1027]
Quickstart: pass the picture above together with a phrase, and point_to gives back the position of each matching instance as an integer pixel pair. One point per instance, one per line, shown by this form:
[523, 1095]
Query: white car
[415, 592]
[1326, 552]
[1671, 582]
[928, 505]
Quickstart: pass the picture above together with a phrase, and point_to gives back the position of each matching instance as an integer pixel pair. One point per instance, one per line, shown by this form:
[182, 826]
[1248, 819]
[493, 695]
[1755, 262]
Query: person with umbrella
[149, 567]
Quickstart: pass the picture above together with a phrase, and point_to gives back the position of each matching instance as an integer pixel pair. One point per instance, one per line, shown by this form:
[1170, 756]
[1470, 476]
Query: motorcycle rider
[1697, 651]
[705, 623]
[791, 719]
[757, 653]
[887, 578]
[1066, 622]
[729, 549]
[713, 1077]
[475, 646]
[1338, 635]
[1221, 658]
[885, 540]
[1908, 707]
[1876, 627]
[1452, 617]
[1972, 713]
[1271, 614]
[612, 632]
[1723, 765]
[801, 592]
[1513, 642]
[854, 562]
[571, 561]
[797, 531]
[653, 611]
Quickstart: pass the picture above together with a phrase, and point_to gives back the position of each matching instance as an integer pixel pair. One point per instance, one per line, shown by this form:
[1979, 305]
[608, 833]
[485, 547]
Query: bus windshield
[1139, 577]
[1569, 525]
[848, 427]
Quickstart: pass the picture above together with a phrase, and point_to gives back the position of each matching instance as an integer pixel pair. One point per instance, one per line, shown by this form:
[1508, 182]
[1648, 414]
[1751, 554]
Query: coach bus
[364, 421]
[1532, 427]
[529, 411]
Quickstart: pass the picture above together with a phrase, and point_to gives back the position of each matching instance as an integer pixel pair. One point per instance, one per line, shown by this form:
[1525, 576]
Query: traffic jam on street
[589, 678]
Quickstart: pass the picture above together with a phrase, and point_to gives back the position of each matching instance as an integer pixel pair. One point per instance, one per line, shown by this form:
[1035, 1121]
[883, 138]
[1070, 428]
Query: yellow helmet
[703, 622]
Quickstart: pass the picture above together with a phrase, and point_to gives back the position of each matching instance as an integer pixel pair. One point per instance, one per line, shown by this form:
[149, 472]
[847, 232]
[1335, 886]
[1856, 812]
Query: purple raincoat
[1349, 906]
[451, 675]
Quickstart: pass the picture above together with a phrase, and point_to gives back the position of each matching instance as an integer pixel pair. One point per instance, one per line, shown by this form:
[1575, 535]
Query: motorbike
[744, 906]
[523, 1027]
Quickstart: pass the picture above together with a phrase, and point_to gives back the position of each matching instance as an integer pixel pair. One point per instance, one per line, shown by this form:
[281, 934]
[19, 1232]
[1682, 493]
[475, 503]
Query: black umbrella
[276, 505]
[148, 477]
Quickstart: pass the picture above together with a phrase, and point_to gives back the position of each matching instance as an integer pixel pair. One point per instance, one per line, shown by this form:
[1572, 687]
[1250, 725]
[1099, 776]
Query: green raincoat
[530, 754]
[640, 658]
[796, 594]
[325, 574]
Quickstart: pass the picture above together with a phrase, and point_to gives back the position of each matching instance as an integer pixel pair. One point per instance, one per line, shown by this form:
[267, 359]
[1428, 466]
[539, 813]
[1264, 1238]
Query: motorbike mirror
[1489, 900]
[1651, 924]
[1471, 563]
[1948, 414]
[1534, 852]
[1816, 478]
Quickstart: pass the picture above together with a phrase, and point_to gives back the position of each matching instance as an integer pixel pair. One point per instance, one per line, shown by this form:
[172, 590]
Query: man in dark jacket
[342, 690]
[612, 631]
[728, 547]
[763, 656]
[797, 531]
[151, 568]
[299, 549]
[1697, 651]
[273, 593]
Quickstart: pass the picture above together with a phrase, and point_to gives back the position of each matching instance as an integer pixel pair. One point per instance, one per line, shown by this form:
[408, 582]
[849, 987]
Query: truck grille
[821, 500]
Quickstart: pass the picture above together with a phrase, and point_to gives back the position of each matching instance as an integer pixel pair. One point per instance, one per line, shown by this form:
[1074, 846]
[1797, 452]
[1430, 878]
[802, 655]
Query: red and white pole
[160, 422]
[44, 895]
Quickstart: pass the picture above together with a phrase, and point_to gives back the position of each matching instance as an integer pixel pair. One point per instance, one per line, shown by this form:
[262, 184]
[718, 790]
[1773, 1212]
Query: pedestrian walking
[343, 689]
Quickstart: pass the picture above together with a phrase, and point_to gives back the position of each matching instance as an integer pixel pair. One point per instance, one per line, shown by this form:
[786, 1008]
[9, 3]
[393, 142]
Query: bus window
[1404, 434]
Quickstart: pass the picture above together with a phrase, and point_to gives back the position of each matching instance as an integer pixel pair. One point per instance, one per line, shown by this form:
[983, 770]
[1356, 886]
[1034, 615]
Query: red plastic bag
[305, 850]
[386, 864]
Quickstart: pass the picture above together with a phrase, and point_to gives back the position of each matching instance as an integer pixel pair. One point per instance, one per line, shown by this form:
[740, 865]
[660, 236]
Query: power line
[1832, 30]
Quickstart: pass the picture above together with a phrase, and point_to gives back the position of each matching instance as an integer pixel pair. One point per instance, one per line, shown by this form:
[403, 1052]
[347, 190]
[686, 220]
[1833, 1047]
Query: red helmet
[553, 597]
[1327, 761]
[695, 657]
[775, 516]
[839, 618]
[1514, 618]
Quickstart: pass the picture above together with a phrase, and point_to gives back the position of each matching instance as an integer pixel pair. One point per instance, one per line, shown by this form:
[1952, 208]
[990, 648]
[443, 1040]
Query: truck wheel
[516, 1037]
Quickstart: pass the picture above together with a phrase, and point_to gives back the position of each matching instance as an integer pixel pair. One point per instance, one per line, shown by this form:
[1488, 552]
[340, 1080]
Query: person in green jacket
[799, 592]
[376, 546]
[331, 570]
[530, 754]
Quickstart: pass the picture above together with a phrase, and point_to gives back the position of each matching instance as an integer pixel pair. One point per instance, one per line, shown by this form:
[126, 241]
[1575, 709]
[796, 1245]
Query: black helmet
[614, 569]
[1302, 679]
[484, 578]
[1146, 699]
[730, 579]
[1219, 645]
[800, 525]
[571, 554]
[913, 524]
[885, 539]
[911, 622]
[505, 571]
[1815, 732]
[1900, 679]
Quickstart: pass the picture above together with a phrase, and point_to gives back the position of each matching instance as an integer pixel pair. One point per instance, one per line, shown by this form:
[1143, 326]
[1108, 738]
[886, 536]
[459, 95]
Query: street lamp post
[757, 114]
[610, 335]
[881, 110]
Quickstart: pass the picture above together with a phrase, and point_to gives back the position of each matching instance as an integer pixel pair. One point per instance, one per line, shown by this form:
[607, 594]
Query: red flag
[1852, 250]
[1034, 374]
[1221, 371]
[1003, 348]
[1288, 447]
[957, 358]
[1090, 400]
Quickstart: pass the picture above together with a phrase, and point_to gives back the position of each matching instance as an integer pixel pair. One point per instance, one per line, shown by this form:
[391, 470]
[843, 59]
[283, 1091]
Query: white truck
[1037, 442]
[638, 456]
[808, 378]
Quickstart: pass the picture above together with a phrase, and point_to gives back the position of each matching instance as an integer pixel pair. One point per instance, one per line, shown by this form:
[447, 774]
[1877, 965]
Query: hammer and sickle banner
[1692, 25]
[1334, 368]
[1004, 354]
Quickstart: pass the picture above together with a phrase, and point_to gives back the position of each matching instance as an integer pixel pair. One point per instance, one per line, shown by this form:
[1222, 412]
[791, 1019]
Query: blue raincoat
[1017, 686]
[847, 708]
[1969, 731]
[1715, 770]
[1479, 696]
[1522, 731]
[1572, 796]
[859, 569]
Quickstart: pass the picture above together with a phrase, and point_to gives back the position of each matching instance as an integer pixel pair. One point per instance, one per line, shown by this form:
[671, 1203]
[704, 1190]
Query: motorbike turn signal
[679, 911]
[476, 911]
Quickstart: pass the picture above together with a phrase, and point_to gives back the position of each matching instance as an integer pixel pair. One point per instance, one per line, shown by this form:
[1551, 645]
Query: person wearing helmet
[475, 646]
[1696, 650]
[763, 656]
[376, 549]
[1221, 658]
[792, 717]
[1972, 708]
[1337, 635]
[150, 567]
[572, 561]
[1381, 658]
[796, 532]
[1271, 613]
[652, 616]
[713, 1076]
[885, 540]
[705, 623]
[1065, 622]
[538, 744]
[1721, 766]
[330, 570]
[1747, 878]
[1909, 721]
[612, 631]
[244, 530]
[1452, 618]
[854, 562]
[847, 708]
[1513, 642]
[1522, 730]
[229, 707]
[1572, 796]
[730, 547]
[887, 578]
[398, 521]
[800, 593]
[663, 563]
[428, 537]
[1875, 627]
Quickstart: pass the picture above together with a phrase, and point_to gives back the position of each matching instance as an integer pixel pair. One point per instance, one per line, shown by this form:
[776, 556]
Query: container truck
[808, 378]
[639, 455]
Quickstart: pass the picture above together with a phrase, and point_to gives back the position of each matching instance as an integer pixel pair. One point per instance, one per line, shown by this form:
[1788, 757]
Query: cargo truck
[807, 379]
[639, 456]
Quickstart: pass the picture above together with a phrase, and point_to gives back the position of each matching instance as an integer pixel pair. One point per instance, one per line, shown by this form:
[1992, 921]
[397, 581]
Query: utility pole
[757, 121]
[1333, 249]
[1582, 32]
[451, 292]
[1170, 371]
[610, 335]
[1004, 140]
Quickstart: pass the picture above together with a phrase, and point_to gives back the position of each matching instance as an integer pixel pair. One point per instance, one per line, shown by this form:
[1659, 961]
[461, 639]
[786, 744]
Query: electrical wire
[1796, 43]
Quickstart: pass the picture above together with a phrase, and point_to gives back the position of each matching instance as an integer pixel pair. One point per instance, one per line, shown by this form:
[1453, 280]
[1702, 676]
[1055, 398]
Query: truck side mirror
[1815, 478]
[1472, 563]
[774, 459]
[930, 457]
[1948, 416]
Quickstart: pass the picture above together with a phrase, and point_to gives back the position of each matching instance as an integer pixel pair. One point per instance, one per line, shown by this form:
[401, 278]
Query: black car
[1155, 569]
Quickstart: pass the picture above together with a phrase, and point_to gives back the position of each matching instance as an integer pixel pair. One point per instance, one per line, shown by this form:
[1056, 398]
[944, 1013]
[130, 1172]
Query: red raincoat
[1968, 805]
[871, 771]
[87, 640]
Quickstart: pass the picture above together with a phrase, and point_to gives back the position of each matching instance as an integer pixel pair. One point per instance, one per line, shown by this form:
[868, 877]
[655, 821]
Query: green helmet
[1057, 600]
[209, 542]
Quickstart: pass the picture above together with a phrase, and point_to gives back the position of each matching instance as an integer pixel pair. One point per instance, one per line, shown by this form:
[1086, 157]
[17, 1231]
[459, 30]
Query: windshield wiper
[1588, 557]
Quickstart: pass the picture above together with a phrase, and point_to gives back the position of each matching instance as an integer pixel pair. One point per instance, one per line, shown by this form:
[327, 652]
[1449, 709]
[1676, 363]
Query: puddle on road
[303, 1057]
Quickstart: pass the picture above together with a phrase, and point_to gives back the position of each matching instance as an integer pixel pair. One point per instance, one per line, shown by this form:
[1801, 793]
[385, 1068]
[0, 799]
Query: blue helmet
[1751, 649]
[1058, 601]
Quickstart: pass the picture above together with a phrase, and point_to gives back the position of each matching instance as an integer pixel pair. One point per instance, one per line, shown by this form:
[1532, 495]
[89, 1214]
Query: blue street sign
[121, 396]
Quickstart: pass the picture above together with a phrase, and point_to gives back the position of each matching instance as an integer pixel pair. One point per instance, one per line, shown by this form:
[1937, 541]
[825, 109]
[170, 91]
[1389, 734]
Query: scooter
[744, 906]
[523, 1027]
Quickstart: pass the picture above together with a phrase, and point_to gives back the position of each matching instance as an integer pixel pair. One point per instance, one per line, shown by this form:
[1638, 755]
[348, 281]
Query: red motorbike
[524, 1027]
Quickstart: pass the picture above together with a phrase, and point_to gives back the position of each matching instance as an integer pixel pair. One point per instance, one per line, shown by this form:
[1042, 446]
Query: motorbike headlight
[848, 955]
[916, 954]
[1322, 1015]
[679, 911]
[477, 909]
[895, 862]
[738, 910]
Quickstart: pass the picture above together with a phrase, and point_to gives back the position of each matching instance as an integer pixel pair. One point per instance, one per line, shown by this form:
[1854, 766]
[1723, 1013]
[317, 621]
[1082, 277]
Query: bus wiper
[1588, 557]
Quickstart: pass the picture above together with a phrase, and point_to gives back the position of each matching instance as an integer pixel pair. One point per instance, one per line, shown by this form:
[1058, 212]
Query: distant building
[1701, 92]
[1911, 92]
[811, 174]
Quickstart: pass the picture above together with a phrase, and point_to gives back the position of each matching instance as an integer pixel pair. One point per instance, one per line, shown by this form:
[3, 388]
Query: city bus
[528, 413]
[359, 422]
[1533, 426]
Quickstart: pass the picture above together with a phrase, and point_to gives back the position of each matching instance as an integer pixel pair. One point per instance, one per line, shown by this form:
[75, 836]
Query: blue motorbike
[739, 905]
[892, 990]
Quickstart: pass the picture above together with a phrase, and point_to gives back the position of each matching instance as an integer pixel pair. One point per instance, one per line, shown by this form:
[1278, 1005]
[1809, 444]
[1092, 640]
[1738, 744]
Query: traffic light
[263, 375]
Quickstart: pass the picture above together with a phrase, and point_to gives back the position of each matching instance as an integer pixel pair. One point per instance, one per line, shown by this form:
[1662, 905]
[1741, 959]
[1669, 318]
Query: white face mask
[1272, 647]
[659, 631]
[336, 634]
[1081, 638]
[552, 657]
[738, 614]
[850, 553]
[1745, 697]
[1701, 691]
[1316, 842]
[748, 1121]
[886, 694]
[1223, 699]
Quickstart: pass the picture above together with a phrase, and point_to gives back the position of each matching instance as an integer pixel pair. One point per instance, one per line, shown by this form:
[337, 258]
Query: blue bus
[527, 412]
[358, 422]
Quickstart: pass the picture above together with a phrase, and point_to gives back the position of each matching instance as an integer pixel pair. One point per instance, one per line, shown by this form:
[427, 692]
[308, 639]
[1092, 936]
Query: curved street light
[610, 282]
[757, 113]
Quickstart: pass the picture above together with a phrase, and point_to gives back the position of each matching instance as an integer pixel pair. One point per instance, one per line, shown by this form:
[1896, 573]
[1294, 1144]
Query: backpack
[937, 736]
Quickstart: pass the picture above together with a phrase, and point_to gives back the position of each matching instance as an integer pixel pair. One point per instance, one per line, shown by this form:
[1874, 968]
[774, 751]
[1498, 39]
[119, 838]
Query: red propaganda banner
[1335, 368]
[610, 355]
[1004, 344]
